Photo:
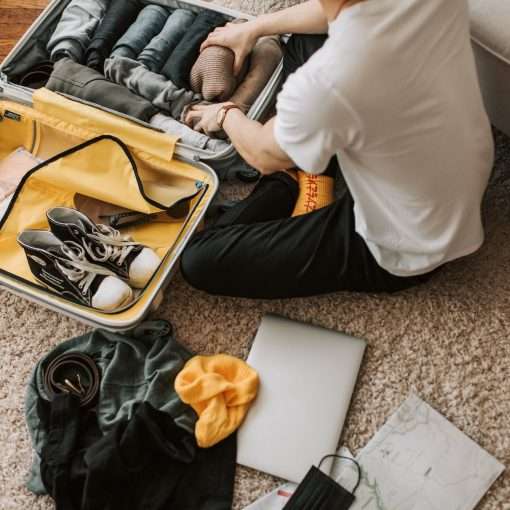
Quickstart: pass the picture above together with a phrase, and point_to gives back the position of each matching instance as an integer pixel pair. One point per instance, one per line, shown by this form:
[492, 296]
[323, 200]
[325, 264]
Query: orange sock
[315, 192]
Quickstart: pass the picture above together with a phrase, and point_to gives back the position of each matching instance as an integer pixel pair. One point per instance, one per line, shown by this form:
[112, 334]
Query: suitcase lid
[148, 151]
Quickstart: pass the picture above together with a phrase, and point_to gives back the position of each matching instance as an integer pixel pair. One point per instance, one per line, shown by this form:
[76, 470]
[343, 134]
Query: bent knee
[195, 265]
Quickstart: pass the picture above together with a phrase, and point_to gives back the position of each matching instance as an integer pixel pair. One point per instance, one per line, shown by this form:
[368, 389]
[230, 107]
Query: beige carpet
[448, 341]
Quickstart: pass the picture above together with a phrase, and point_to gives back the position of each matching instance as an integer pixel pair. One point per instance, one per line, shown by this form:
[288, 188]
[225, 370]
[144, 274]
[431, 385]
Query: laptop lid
[307, 376]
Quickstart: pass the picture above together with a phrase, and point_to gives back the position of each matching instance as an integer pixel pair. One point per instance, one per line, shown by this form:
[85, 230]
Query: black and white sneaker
[103, 245]
[64, 268]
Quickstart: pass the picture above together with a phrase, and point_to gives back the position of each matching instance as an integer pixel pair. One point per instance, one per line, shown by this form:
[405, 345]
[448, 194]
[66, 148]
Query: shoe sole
[122, 305]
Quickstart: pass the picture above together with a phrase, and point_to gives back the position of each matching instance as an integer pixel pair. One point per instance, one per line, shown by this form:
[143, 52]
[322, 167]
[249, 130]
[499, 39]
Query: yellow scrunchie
[220, 389]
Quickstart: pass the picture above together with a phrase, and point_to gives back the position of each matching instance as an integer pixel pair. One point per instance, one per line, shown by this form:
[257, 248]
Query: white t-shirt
[394, 94]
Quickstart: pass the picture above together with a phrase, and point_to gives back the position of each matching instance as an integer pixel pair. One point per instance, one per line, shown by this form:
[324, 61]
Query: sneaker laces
[112, 245]
[77, 269]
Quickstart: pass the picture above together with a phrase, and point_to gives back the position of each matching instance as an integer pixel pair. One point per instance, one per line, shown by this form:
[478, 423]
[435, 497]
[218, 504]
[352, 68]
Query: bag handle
[345, 458]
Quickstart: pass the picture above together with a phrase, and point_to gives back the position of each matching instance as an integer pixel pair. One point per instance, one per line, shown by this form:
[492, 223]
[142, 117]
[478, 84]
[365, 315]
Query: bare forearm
[305, 18]
[255, 143]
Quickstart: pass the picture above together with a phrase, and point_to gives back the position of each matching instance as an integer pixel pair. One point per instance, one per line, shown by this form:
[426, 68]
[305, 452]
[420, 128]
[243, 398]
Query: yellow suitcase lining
[130, 167]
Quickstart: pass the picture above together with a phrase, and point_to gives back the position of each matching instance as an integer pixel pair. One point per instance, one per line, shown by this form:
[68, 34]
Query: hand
[239, 37]
[204, 117]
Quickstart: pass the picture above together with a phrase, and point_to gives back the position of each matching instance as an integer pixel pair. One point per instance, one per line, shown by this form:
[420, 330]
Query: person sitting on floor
[391, 93]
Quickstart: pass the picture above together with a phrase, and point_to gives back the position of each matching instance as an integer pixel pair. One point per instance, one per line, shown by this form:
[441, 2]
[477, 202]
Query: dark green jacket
[139, 366]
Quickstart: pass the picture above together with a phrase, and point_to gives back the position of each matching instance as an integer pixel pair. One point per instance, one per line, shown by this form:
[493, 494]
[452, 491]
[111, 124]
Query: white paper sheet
[420, 461]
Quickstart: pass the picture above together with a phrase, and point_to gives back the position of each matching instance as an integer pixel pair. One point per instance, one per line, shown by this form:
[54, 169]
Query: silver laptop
[307, 376]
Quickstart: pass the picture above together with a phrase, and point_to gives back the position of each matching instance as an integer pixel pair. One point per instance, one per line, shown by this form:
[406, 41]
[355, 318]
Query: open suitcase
[89, 151]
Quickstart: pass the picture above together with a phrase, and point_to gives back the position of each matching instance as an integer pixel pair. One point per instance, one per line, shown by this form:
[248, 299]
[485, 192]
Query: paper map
[420, 461]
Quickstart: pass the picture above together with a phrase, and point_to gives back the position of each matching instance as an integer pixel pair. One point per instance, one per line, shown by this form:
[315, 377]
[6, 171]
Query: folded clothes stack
[144, 61]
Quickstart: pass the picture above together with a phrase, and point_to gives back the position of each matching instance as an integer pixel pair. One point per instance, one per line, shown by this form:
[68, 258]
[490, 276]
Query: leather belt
[37, 76]
[74, 373]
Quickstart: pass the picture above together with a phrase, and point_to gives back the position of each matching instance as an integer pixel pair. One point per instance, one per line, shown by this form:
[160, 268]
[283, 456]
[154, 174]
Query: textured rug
[448, 341]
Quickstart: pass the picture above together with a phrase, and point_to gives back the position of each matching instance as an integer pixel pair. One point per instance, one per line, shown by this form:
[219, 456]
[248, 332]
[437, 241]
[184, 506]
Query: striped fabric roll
[212, 75]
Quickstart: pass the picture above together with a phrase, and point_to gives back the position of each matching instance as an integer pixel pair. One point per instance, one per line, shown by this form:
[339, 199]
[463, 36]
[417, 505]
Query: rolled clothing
[118, 18]
[159, 49]
[80, 81]
[72, 35]
[178, 66]
[162, 93]
[186, 134]
[135, 367]
[149, 23]
[264, 59]
[212, 75]
[37, 76]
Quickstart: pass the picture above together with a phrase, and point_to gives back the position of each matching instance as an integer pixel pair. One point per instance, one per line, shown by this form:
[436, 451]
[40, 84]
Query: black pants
[257, 250]
[146, 462]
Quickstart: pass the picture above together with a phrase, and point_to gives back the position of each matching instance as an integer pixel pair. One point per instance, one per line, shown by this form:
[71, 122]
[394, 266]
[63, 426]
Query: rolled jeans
[149, 23]
[159, 49]
[178, 66]
[120, 15]
[256, 250]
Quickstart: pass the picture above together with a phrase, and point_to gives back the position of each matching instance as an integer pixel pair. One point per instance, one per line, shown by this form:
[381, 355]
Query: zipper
[77, 149]
[34, 137]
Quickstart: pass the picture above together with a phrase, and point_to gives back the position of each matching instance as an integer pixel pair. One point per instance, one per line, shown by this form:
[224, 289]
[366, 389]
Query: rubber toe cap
[143, 267]
[112, 294]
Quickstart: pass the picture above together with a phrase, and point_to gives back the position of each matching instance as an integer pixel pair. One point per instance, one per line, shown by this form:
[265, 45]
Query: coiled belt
[74, 373]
